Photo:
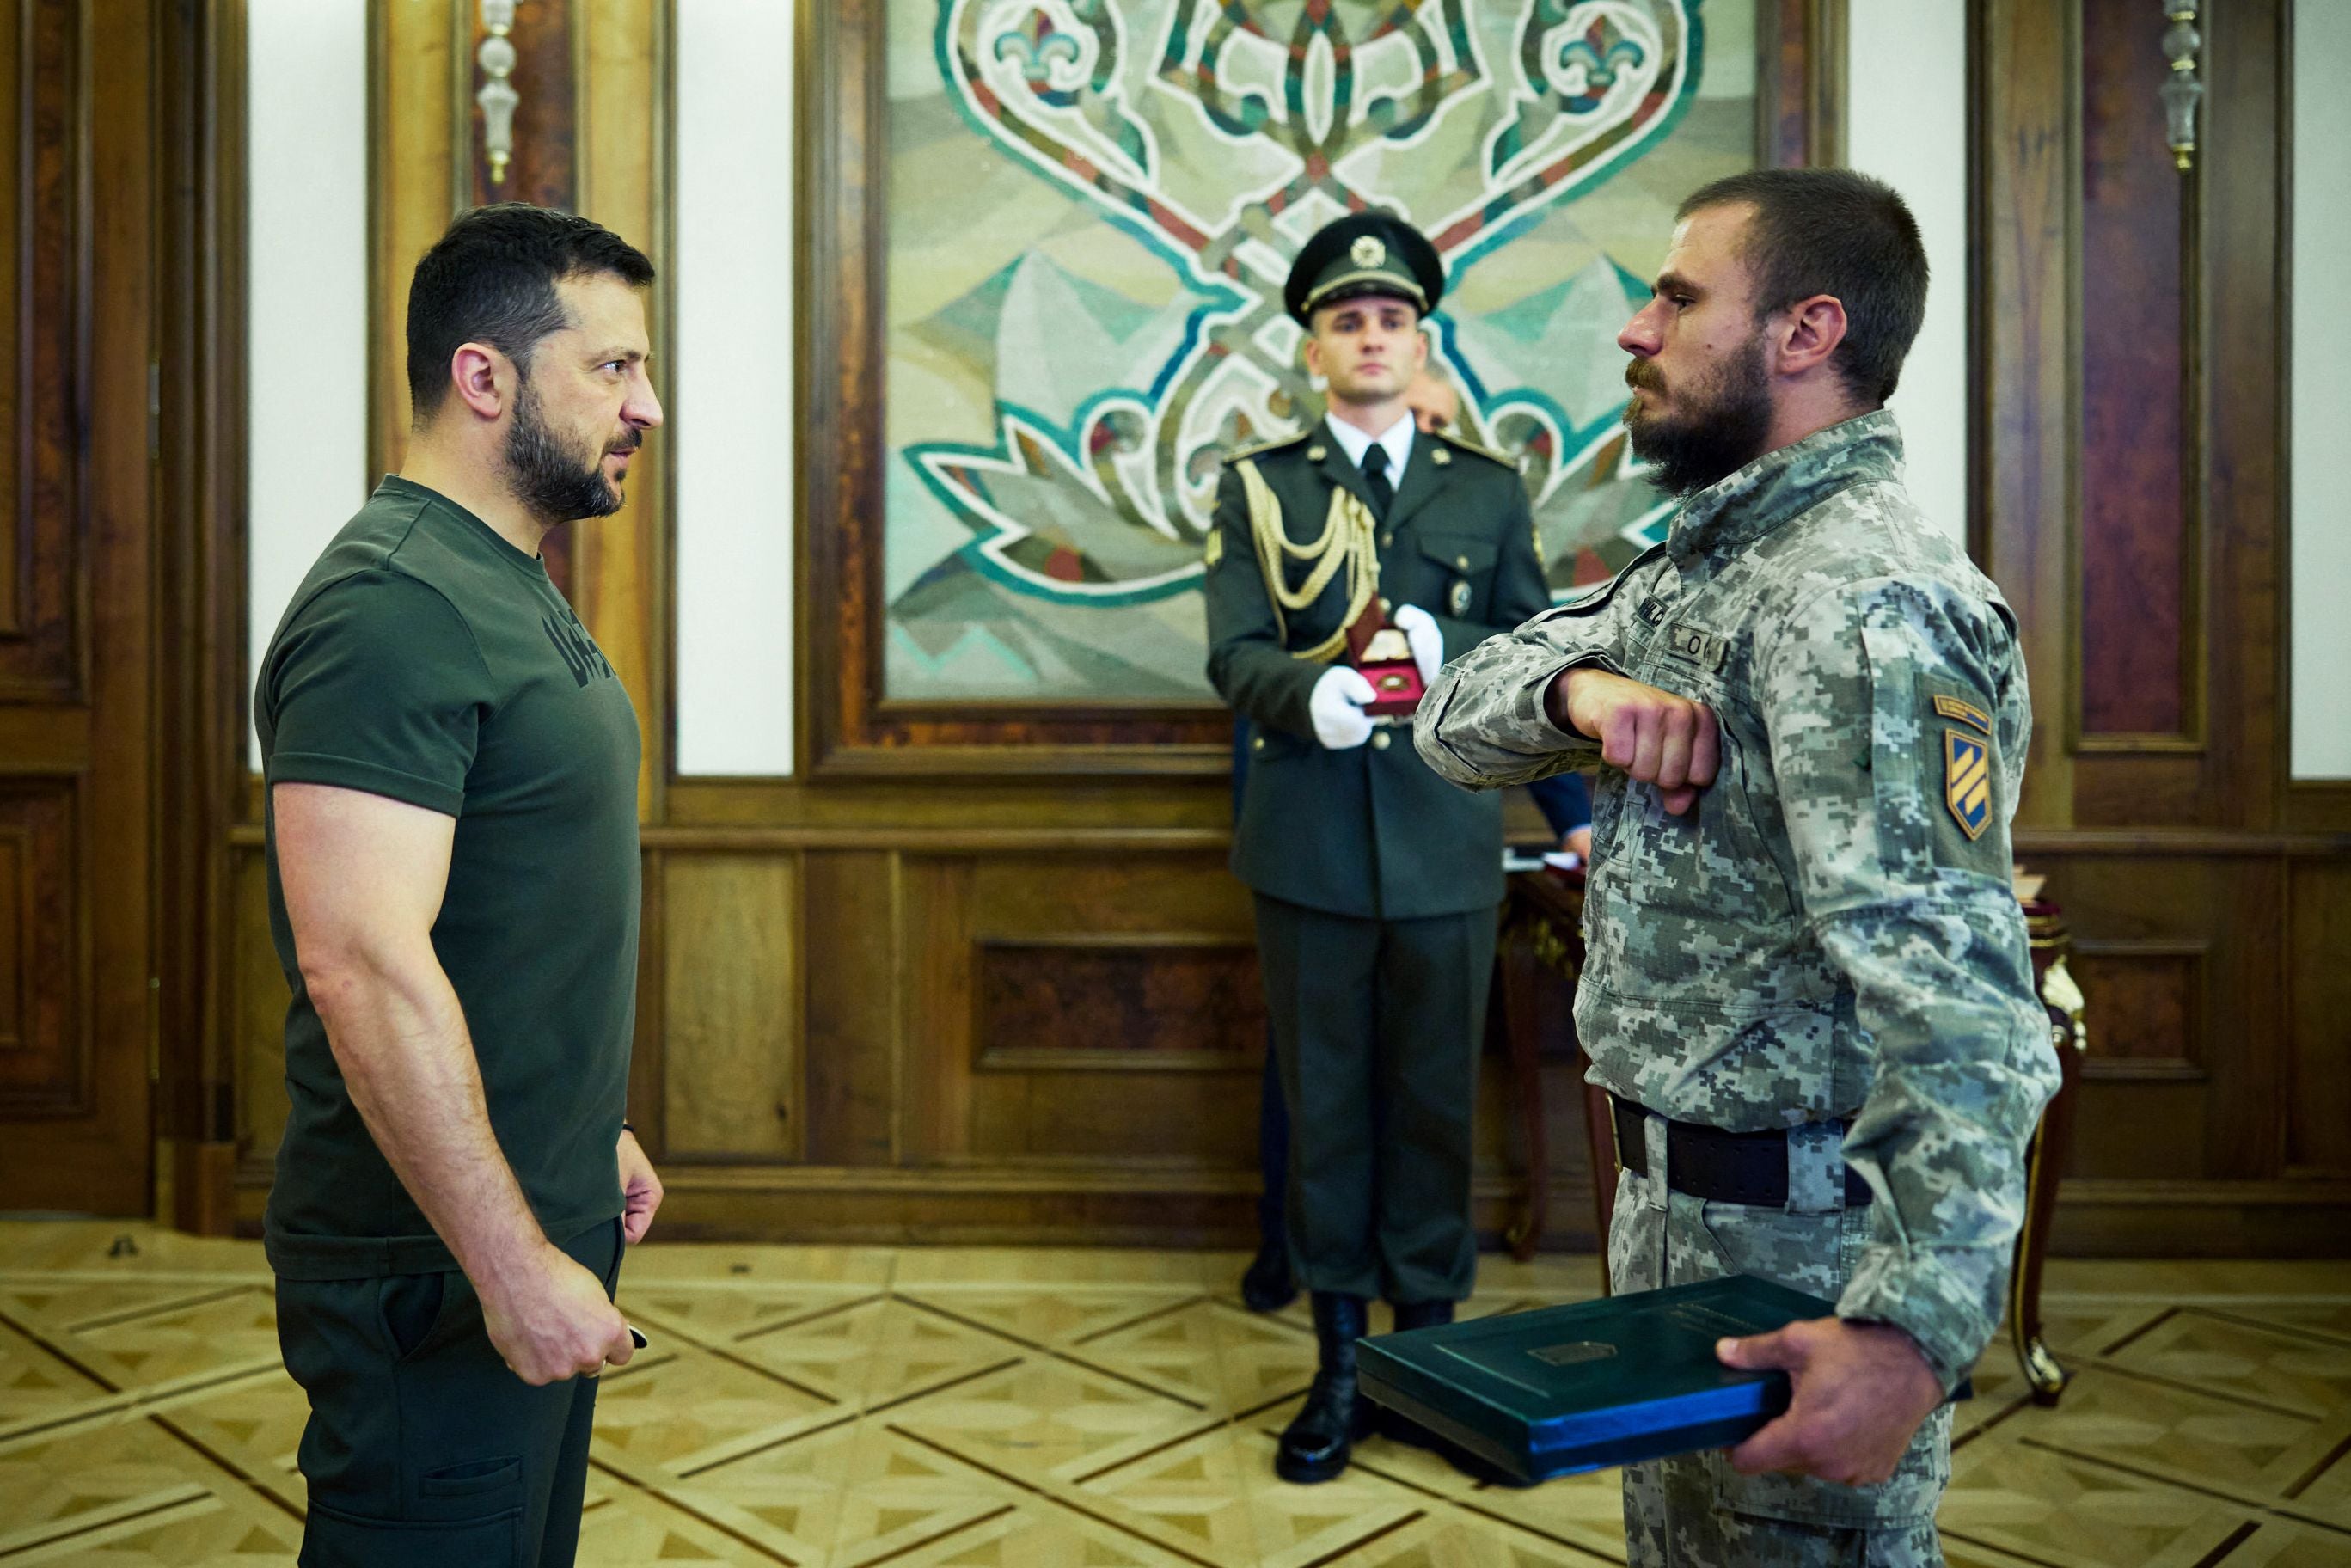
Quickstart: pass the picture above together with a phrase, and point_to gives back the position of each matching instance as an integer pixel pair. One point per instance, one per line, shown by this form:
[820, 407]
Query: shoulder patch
[1276, 445]
[1964, 711]
[1488, 452]
[1967, 779]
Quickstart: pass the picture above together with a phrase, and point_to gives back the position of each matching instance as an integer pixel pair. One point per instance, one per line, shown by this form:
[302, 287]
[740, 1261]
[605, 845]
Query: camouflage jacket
[1830, 933]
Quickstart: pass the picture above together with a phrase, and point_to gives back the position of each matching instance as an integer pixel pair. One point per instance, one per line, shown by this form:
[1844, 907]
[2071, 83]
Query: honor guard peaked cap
[1368, 252]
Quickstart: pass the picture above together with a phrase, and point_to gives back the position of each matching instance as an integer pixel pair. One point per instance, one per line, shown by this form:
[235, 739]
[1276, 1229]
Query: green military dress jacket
[1369, 831]
[1831, 932]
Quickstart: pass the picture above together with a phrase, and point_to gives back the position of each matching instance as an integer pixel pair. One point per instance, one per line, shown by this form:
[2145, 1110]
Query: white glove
[1337, 707]
[1419, 628]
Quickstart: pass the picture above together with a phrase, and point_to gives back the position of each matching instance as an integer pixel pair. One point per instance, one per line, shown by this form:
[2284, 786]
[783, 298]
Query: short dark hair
[491, 279]
[1832, 231]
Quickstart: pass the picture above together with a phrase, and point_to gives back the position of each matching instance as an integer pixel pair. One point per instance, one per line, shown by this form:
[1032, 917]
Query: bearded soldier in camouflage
[1808, 987]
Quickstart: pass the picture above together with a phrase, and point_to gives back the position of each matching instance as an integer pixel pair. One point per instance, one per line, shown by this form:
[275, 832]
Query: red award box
[1384, 657]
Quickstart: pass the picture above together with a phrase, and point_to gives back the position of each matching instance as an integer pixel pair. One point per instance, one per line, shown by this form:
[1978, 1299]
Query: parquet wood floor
[969, 1408]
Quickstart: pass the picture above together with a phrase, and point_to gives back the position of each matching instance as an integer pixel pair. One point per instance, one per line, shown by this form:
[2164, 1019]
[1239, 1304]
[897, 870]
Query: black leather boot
[1315, 1446]
[1268, 1287]
[1404, 1428]
[1422, 1315]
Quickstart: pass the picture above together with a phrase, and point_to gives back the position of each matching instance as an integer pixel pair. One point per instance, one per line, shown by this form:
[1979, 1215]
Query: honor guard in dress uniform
[1376, 882]
[1807, 986]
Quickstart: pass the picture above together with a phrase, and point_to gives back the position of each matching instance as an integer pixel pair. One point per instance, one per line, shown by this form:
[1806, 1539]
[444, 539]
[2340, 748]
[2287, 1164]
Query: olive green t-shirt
[426, 659]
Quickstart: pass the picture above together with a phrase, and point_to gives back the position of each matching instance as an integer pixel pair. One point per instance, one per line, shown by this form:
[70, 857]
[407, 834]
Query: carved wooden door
[75, 644]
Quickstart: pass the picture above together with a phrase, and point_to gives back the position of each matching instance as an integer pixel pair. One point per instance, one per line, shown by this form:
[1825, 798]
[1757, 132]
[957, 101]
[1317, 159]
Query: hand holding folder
[1858, 1391]
[1639, 1376]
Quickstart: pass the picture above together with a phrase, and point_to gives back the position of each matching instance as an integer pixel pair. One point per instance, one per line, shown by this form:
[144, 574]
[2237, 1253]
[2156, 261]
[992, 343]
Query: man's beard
[1715, 430]
[555, 482]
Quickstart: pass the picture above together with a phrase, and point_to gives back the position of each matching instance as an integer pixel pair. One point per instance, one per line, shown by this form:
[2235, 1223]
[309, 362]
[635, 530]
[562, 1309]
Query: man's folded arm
[1962, 1071]
[1935, 954]
[1485, 723]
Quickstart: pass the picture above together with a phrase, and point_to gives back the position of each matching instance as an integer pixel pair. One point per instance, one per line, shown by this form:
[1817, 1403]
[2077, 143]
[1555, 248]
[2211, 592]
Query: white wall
[731, 403]
[306, 293]
[2320, 409]
[1905, 122]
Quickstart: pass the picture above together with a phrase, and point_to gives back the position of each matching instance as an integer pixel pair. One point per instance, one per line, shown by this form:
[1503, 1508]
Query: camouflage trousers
[1695, 1511]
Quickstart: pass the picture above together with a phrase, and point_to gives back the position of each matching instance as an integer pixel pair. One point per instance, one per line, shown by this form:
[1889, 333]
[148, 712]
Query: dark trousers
[1376, 1025]
[1272, 1153]
[421, 1446]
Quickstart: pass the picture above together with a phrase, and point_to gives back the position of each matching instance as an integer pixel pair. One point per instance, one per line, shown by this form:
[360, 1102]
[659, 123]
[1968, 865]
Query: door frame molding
[199, 607]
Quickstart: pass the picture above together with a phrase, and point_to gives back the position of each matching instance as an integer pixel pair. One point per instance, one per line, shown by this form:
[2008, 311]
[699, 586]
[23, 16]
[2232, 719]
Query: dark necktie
[1375, 479]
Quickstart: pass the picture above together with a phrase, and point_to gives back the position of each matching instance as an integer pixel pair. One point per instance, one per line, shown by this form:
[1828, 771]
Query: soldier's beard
[555, 481]
[1717, 428]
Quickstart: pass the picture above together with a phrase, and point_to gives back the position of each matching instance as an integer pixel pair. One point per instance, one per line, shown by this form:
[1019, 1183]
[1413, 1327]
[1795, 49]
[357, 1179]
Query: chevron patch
[1967, 781]
[1954, 707]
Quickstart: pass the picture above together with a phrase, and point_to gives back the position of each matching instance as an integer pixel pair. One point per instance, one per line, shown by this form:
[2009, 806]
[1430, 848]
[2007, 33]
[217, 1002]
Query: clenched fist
[1653, 735]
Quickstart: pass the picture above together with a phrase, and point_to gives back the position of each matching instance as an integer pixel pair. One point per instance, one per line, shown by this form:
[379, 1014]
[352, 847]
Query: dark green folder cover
[1562, 1389]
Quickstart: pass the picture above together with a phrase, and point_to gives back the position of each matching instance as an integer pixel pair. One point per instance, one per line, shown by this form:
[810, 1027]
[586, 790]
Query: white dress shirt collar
[1396, 439]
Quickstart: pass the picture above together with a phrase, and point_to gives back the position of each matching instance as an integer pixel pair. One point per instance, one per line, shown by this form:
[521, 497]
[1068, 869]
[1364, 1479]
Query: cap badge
[1367, 251]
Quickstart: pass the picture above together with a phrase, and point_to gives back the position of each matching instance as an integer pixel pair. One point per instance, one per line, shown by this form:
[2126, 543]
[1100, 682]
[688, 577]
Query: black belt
[1718, 1167]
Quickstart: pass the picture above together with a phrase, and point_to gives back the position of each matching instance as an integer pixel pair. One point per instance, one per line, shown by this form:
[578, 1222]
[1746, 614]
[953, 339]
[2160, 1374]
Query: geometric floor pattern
[1047, 1408]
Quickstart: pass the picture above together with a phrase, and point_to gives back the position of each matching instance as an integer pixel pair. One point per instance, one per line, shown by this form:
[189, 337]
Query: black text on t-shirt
[578, 650]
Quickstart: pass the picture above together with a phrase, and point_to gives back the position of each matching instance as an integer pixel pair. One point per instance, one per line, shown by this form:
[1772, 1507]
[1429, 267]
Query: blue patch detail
[1967, 781]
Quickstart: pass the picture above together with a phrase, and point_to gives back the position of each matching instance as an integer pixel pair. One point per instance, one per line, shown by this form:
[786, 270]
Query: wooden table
[1541, 953]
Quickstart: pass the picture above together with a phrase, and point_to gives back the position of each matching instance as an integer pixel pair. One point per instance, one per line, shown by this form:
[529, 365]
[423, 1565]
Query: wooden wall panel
[2023, 63]
[2138, 433]
[546, 40]
[731, 1008]
[77, 734]
[44, 1042]
[2126, 316]
[258, 998]
[621, 564]
[2187, 976]
[1799, 82]
[409, 126]
[1088, 1002]
[1058, 952]
[14, 517]
[2147, 998]
[853, 1045]
[44, 519]
[927, 1123]
[2318, 1130]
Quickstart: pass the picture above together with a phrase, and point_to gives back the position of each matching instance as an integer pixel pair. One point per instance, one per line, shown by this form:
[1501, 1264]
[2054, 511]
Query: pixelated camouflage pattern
[1821, 937]
[1695, 1507]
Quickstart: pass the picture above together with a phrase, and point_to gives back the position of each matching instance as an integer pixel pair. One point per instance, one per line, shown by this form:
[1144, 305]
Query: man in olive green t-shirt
[453, 893]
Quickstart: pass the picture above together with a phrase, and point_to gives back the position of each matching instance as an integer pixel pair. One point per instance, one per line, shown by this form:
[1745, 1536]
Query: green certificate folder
[1562, 1389]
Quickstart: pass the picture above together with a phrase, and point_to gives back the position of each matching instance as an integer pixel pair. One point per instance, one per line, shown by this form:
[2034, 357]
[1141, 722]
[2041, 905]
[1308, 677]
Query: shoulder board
[1504, 458]
[1261, 448]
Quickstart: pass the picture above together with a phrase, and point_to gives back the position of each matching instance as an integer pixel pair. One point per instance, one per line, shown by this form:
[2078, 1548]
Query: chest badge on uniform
[1459, 599]
[1215, 548]
[1441, 457]
[1967, 781]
